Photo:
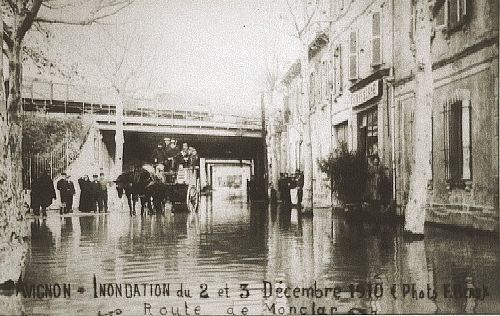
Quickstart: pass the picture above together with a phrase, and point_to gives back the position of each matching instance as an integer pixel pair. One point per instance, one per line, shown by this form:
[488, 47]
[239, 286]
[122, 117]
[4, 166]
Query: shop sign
[365, 94]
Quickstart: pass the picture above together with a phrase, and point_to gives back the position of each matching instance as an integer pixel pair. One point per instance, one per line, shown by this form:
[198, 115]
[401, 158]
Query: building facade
[463, 187]
[361, 92]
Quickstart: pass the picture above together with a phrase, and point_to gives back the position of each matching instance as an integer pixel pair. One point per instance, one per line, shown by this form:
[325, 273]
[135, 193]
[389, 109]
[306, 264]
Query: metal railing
[49, 97]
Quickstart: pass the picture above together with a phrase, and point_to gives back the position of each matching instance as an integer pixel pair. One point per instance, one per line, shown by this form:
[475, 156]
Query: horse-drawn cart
[183, 187]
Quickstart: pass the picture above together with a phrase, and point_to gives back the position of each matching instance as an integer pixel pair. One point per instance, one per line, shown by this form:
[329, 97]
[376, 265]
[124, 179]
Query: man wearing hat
[94, 193]
[62, 187]
[158, 154]
[172, 152]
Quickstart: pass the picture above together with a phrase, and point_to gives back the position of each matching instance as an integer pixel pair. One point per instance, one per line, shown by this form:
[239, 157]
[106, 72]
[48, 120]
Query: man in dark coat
[84, 184]
[103, 194]
[158, 154]
[68, 194]
[42, 194]
[299, 184]
[62, 186]
[94, 193]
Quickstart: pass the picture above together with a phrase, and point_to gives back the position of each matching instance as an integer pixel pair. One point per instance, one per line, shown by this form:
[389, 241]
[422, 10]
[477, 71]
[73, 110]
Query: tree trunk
[119, 139]
[307, 200]
[13, 229]
[422, 124]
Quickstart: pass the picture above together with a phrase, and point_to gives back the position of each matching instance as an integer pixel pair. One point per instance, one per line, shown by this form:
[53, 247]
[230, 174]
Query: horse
[143, 184]
[125, 183]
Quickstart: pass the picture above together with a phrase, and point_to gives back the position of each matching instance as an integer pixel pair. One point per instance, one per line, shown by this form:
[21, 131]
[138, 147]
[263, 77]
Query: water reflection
[232, 242]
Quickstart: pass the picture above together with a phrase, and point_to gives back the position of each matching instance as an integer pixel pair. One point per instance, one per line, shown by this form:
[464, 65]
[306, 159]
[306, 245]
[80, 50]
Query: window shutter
[441, 16]
[466, 138]
[353, 56]
[338, 70]
[446, 139]
[463, 9]
[453, 12]
[376, 41]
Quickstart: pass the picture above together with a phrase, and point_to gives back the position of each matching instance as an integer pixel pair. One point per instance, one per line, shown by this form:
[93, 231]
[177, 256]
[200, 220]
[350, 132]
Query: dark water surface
[230, 242]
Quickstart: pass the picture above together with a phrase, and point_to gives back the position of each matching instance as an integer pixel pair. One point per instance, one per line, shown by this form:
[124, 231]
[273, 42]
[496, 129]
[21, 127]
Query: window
[376, 40]
[451, 13]
[440, 15]
[325, 81]
[337, 70]
[457, 140]
[341, 133]
[368, 132]
[353, 56]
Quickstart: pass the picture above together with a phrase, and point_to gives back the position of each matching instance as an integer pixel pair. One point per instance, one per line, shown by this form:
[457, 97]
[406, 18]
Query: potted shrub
[347, 173]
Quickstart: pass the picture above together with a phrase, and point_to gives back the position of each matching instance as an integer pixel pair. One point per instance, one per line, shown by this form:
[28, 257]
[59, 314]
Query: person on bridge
[42, 194]
[102, 197]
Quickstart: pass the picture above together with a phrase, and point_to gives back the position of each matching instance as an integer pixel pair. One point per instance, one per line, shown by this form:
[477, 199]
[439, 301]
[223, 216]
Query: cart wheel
[193, 198]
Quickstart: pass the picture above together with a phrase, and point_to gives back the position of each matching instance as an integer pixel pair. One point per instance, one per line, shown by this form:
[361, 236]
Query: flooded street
[231, 242]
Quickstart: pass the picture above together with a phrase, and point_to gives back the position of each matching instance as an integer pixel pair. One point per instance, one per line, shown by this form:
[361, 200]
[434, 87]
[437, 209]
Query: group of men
[171, 156]
[287, 182]
[93, 194]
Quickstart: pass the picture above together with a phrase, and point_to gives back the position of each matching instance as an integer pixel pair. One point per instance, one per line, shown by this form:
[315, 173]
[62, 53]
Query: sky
[198, 51]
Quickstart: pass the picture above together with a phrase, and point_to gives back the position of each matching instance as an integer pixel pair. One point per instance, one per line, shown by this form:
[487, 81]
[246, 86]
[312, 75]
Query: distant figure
[299, 184]
[94, 193]
[102, 198]
[158, 154]
[284, 189]
[42, 194]
[66, 191]
[193, 158]
[70, 192]
[375, 177]
[62, 186]
[84, 184]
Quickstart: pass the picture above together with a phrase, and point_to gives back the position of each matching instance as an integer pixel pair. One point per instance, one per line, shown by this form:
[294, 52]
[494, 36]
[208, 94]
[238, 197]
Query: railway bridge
[124, 133]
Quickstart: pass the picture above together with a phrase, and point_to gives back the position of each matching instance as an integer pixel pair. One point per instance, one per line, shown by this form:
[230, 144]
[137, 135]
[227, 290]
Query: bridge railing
[109, 110]
[49, 97]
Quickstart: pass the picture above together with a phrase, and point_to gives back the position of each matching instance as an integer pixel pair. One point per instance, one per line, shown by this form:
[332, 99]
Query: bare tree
[301, 15]
[18, 18]
[127, 63]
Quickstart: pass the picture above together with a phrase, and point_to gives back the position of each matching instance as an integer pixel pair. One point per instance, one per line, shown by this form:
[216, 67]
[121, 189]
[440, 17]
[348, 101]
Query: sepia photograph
[249, 157]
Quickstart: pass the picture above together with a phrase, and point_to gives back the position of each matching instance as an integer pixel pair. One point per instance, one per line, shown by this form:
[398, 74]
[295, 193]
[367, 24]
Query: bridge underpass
[213, 150]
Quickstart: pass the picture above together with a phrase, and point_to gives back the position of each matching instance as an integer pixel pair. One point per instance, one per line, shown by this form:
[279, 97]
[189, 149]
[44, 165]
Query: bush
[347, 172]
[42, 134]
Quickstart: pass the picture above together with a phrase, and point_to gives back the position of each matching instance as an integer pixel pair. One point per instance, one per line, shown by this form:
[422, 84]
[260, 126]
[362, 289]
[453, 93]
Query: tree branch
[28, 19]
[120, 5]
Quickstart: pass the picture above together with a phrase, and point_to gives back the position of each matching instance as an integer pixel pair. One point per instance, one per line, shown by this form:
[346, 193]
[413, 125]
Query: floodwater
[232, 246]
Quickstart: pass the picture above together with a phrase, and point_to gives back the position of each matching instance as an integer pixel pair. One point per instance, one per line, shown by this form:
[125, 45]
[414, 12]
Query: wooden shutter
[466, 137]
[338, 70]
[376, 40]
[453, 12]
[440, 17]
[446, 139]
[462, 9]
[455, 140]
[353, 56]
